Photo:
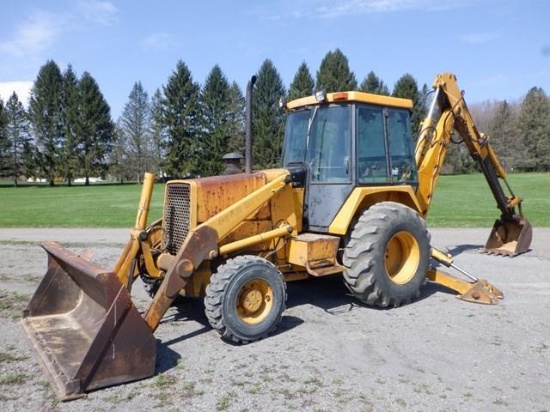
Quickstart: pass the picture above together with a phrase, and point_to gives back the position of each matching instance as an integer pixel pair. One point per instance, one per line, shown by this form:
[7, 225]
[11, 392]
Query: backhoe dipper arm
[512, 233]
[478, 145]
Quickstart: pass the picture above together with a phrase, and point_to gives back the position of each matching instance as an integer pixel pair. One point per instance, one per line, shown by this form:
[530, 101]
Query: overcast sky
[497, 49]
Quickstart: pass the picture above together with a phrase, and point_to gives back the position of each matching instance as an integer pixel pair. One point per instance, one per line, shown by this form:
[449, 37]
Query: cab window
[372, 165]
[295, 137]
[403, 164]
[384, 146]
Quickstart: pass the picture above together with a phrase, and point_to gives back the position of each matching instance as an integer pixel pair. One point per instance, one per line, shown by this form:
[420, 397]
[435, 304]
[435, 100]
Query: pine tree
[134, 128]
[95, 128]
[236, 119]
[118, 158]
[158, 134]
[334, 73]
[406, 87]
[302, 84]
[17, 135]
[425, 96]
[45, 110]
[216, 111]
[182, 116]
[503, 135]
[534, 129]
[373, 84]
[4, 143]
[70, 164]
[268, 119]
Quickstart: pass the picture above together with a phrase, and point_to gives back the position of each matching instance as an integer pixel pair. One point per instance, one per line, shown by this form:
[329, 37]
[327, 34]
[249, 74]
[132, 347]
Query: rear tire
[245, 299]
[387, 255]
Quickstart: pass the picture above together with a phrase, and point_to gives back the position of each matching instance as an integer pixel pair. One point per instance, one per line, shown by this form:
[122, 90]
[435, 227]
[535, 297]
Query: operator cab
[345, 140]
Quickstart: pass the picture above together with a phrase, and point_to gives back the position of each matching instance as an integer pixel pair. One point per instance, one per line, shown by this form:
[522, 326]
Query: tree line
[185, 128]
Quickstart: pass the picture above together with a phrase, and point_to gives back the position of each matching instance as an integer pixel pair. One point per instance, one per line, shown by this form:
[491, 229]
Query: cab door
[329, 158]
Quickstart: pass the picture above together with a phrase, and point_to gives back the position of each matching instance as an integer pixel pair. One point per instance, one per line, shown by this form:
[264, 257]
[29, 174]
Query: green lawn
[99, 205]
[459, 201]
[466, 200]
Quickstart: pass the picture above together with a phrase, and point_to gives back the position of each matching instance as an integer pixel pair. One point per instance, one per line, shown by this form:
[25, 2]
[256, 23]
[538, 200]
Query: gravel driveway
[330, 352]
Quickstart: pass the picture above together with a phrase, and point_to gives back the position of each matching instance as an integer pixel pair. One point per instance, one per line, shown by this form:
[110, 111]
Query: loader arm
[124, 268]
[202, 244]
[512, 233]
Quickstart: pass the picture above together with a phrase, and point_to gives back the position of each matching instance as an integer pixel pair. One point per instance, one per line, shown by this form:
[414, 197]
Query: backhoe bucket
[85, 328]
[510, 237]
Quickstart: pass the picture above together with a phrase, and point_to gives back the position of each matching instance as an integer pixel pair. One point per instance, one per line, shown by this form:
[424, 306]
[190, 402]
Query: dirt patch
[330, 352]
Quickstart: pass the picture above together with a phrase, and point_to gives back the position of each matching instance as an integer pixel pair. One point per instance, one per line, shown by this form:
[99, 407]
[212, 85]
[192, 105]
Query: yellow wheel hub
[255, 300]
[402, 257]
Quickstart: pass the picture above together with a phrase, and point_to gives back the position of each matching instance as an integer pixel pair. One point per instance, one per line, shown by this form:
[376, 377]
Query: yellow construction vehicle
[350, 199]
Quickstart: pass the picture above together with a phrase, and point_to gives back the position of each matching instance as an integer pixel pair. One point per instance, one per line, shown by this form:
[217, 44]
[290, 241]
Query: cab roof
[351, 96]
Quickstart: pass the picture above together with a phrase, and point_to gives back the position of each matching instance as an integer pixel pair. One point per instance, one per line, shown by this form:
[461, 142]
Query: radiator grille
[177, 216]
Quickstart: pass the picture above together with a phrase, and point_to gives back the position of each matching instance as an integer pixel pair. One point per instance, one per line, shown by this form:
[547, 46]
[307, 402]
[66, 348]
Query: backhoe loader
[350, 199]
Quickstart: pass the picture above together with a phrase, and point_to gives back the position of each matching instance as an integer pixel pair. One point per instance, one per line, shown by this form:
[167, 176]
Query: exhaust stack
[248, 126]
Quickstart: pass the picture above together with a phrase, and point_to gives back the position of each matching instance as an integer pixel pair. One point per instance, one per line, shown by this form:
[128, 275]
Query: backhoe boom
[512, 233]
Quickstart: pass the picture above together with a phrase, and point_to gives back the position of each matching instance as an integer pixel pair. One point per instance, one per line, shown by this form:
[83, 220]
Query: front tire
[387, 255]
[245, 299]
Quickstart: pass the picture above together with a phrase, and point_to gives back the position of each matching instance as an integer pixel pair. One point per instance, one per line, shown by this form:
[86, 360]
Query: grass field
[99, 205]
[466, 200]
[459, 201]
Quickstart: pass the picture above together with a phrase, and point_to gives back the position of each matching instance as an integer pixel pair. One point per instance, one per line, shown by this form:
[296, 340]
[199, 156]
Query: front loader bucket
[510, 237]
[85, 328]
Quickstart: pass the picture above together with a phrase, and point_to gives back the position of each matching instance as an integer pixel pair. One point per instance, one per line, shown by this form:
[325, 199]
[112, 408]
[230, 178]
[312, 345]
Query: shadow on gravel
[167, 358]
[455, 250]
[186, 310]
[330, 294]
[287, 323]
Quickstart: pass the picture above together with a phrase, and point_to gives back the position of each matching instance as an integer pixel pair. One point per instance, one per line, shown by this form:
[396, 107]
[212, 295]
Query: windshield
[326, 148]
